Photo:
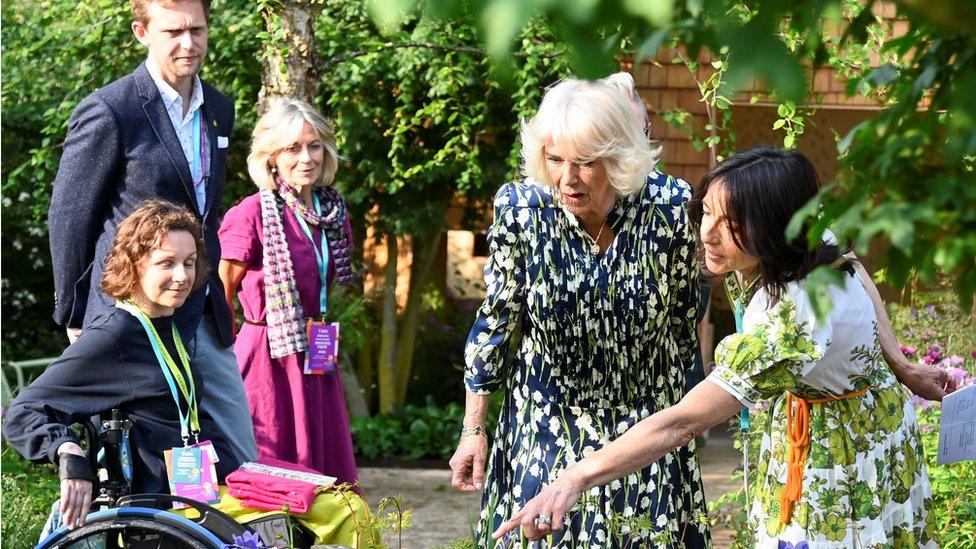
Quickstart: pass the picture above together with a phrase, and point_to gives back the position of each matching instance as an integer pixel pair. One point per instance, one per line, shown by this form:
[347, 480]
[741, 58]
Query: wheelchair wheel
[133, 528]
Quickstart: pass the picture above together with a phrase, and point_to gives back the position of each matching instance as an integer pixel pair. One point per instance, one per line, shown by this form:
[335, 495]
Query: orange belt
[798, 435]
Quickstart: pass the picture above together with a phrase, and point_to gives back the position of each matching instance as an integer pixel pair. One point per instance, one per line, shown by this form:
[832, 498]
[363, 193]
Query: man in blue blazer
[159, 132]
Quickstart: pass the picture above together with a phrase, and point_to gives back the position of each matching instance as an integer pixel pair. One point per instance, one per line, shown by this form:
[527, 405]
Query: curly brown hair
[141, 233]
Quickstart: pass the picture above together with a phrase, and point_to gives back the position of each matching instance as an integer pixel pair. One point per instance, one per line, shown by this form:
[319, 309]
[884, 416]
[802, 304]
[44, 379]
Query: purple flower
[248, 540]
[973, 354]
[957, 373]
[930, 309]
[797, 545]
[908, 350]
[920, 402]
[927, 335]
[956, 360]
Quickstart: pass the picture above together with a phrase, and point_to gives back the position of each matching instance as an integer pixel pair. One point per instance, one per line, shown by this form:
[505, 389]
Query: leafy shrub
[439, 351]
[28, 492]
[414, 432]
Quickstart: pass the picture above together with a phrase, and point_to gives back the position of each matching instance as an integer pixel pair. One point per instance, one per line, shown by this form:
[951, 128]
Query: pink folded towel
[269, 492]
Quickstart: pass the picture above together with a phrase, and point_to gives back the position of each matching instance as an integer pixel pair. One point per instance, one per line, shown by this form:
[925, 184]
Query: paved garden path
[441, 514]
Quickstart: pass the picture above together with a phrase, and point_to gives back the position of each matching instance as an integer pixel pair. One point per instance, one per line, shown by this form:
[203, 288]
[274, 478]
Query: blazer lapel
[159, 120]
[212, 122]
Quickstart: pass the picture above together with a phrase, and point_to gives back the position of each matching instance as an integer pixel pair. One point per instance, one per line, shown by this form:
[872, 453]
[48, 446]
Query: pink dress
[298, 418]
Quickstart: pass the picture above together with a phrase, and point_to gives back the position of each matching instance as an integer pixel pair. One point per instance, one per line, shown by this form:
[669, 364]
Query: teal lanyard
[197, 148]
[737, 297]
[321, 255]
[189, 420]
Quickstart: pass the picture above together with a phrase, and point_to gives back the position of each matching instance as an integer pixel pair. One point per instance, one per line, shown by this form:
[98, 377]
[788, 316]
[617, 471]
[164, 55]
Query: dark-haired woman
[841, 463]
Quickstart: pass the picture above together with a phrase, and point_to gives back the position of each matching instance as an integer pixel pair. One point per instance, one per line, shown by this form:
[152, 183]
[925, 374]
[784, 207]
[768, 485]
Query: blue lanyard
[197, 148]
[739, 312]
[189, 421]
[321, 255]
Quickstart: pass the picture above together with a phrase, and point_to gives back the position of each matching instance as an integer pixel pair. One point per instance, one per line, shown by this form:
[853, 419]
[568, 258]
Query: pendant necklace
[595, 246]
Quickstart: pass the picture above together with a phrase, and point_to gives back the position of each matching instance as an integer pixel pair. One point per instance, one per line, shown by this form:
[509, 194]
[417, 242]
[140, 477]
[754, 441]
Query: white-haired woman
[588, 326]
[282, 248]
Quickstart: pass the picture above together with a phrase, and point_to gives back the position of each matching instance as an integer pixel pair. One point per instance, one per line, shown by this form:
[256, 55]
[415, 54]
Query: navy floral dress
[584, 346]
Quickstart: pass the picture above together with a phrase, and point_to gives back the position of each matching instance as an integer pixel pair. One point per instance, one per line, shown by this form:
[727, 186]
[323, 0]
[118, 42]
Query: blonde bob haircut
[596, 122]
[278, 129]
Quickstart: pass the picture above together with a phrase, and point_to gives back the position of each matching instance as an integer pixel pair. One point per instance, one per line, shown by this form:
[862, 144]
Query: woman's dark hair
[765, 187]
[138, 235]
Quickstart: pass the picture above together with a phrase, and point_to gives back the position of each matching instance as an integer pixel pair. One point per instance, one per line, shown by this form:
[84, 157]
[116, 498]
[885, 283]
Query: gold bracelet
[477, 430]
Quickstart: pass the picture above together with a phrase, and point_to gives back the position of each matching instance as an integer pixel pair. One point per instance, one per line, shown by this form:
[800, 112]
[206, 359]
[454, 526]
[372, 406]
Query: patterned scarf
[284, 315]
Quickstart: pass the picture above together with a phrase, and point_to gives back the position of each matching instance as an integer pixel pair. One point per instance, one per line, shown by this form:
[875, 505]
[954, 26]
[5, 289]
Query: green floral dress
[864, 483]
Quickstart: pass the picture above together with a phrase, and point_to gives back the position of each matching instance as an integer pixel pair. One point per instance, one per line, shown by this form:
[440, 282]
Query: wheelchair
[145, 521]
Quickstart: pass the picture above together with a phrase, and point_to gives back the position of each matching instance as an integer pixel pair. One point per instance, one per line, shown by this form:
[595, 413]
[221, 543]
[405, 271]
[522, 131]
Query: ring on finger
[543, 519]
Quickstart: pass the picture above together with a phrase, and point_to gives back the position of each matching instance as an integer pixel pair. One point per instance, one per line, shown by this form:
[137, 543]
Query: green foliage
[27, 494]
[421, 113]
[907, 173]
[717, 96]
[414, 432]
[911, 170]
[82, 46]
[439, 353]
[953, 486]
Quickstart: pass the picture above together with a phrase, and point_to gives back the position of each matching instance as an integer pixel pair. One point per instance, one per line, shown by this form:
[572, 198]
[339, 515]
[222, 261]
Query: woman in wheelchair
[132, 359]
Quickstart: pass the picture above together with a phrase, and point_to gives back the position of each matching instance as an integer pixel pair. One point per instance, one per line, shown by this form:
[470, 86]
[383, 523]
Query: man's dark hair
[764, 188]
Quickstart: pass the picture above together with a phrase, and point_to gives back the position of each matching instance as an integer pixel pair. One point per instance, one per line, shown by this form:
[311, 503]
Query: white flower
[662, 521]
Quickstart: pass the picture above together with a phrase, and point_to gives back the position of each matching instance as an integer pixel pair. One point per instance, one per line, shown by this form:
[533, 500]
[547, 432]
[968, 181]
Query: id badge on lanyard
[191, 472]
[322, 355]
[189, 468]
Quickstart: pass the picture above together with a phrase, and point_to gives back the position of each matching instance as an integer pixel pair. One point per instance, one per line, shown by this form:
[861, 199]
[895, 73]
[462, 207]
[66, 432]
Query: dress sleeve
[89, 378]
[494, 333]
[683, 280]
[773, 355]
[239, 232]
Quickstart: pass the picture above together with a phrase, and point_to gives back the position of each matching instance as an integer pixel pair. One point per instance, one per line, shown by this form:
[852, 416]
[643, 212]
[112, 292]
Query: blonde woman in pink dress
[282, 249]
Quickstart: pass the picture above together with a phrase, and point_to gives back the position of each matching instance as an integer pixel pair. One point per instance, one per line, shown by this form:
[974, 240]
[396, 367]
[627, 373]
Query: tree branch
[477, 52]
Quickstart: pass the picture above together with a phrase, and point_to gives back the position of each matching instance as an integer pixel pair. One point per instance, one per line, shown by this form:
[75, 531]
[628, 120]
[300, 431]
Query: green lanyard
[175, 376]
[321, 256]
